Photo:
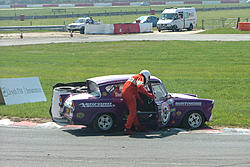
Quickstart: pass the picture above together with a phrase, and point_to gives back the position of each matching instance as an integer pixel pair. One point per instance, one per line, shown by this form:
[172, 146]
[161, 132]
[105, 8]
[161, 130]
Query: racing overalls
[130, 91]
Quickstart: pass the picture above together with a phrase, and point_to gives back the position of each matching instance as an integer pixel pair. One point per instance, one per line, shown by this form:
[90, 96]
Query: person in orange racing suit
[130, 91]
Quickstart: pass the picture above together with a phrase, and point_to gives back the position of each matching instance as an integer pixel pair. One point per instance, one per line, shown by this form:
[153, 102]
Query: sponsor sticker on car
[99, 105]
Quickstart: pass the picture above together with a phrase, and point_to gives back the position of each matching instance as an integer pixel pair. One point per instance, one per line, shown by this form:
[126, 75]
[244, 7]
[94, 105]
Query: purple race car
[98, 103]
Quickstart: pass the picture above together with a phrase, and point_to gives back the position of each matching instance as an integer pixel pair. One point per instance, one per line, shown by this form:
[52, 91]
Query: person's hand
[152, 96]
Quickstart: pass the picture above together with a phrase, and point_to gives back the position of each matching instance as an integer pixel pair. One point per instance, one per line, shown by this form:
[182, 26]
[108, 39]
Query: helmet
[146, 74]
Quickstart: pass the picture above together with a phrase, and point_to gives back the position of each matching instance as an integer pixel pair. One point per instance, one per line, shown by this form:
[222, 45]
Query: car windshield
[80, 21]
[93, 89]
[167, 16]
[159, 91]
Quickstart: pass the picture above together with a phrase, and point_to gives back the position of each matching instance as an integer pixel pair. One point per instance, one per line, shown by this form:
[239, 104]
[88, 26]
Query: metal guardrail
[25, 28]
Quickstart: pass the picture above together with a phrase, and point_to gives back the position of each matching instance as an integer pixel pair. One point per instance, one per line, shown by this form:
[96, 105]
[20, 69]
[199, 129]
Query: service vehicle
[80, 23]
[98, 103]
[176, 19]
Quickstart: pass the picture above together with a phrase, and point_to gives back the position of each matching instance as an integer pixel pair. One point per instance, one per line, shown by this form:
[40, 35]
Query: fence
[106, 13]
[221, 23]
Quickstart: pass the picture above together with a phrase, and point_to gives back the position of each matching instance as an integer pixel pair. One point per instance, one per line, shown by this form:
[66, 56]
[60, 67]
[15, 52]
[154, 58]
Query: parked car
[80, 23]
[148, 19]
[98, 103]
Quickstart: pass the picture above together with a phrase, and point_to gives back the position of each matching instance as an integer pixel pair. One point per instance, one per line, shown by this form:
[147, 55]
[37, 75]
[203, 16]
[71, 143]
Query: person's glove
[152, 96]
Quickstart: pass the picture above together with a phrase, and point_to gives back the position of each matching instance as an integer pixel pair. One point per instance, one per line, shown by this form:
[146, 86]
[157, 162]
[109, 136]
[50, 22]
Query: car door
[161, 100]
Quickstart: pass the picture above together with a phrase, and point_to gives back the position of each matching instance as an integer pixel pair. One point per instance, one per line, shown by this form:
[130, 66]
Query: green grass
[243, 13]
[225, 31]
[213, 70]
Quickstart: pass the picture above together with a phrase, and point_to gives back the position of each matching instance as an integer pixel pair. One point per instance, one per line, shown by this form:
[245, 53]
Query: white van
[176, 19]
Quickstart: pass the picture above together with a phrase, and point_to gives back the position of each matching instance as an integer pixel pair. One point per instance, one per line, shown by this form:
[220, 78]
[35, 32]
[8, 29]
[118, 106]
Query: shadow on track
[161, 133]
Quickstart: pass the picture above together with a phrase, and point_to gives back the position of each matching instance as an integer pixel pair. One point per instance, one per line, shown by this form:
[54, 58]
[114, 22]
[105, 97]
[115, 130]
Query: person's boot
[128, 132]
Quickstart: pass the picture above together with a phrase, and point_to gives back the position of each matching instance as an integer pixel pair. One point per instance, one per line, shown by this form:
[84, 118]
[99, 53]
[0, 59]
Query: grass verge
[224, 31]
[213, 70]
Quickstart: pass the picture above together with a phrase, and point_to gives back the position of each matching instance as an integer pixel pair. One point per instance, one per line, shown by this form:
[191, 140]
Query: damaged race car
[98, 103]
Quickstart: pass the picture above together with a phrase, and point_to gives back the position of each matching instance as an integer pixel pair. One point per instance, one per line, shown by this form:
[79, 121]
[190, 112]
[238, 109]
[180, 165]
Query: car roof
[116, 78]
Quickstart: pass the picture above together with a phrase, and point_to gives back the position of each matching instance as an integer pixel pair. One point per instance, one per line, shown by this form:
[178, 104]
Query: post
[238, 20]
[223, 22]
[202, 25]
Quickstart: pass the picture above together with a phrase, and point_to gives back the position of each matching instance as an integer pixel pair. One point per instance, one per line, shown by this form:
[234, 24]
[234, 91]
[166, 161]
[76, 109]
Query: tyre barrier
[244, 26]
[119, 28]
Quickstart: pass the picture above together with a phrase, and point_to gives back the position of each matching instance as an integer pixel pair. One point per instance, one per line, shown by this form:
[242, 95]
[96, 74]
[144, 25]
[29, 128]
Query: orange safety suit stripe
[130, 91]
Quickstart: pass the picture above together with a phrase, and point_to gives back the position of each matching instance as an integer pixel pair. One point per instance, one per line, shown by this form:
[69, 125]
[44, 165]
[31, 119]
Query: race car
[98, 103]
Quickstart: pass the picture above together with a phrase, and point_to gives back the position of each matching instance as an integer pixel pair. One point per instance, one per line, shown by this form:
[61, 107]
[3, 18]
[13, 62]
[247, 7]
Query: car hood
[164, 21]
[183, 96]
[75, 24]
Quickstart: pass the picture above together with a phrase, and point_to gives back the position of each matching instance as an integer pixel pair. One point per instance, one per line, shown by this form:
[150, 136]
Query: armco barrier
[25, 28]
[171, 2]
[146, 27]
[126, 28]
[99, 29]
[84, 4]
[244, 26]
[51, 5]
[118, 28]
[192, 2]
[230, 1]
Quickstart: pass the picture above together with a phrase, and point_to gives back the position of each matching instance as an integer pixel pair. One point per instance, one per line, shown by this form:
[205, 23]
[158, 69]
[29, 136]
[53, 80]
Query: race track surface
[28, 147]
[64, 37]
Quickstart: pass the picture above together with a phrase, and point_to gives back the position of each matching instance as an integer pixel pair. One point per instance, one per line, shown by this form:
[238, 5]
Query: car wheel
[103, 122]
[82, 30]
[159, 30]
[193, 120]
[174, 28]
[190, 27]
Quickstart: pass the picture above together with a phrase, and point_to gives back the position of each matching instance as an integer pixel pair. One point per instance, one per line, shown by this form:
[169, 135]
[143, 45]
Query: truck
[176, 19]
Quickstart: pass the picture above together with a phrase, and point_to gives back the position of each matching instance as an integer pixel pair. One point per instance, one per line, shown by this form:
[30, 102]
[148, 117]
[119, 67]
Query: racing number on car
[165, 113]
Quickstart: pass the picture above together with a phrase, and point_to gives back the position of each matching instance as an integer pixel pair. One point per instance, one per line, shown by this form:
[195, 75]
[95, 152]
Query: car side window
[115, 90]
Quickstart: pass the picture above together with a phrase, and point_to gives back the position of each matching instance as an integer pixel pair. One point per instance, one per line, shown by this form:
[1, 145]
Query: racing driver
[131, 88]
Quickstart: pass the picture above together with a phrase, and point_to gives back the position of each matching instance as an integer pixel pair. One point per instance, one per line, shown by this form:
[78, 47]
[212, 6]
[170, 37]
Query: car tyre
[103, 123]
[193, 120]
[190, 27]
[159, 30]
[174, 28]
[82, 30]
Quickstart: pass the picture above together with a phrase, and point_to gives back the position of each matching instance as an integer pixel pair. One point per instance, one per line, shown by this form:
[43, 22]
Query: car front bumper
[164, 27]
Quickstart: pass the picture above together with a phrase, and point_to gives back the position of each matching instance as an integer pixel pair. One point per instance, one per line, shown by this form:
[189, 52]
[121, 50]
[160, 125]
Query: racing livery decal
[165, 113]
[188, 104]
[101, 105]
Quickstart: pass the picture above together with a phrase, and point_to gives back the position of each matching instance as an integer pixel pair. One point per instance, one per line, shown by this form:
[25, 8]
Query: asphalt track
[28, 147]
[64, 37]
